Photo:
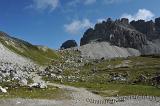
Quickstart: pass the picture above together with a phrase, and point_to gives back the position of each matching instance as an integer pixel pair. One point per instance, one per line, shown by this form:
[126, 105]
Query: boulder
[23, 82]
[41, 85]
[3, 90]
[34, 85]
[69, 44]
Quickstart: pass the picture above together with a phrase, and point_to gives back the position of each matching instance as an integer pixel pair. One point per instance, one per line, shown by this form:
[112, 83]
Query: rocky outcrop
[138, 35]
[69, 44]
[119, 33]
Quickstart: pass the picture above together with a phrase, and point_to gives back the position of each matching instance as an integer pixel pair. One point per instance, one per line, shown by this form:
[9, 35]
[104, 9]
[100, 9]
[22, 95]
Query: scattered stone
[23, 82]
[41, 85]
[3, 90]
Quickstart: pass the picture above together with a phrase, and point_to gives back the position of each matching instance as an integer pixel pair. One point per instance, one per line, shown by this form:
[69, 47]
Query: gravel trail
[79, 98]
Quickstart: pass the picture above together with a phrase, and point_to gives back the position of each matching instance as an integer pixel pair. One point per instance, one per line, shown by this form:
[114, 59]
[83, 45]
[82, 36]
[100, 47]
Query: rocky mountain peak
[125, 20]
[120, 33]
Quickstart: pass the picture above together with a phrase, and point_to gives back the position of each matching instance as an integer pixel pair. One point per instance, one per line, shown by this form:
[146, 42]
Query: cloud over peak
[141, 14]
[76, 26]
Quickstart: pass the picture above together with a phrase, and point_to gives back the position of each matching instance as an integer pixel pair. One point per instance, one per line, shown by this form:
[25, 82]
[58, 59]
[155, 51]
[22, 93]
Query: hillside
[39, 54]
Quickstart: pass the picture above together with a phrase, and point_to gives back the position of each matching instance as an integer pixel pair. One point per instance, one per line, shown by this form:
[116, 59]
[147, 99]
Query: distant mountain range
[108, 39]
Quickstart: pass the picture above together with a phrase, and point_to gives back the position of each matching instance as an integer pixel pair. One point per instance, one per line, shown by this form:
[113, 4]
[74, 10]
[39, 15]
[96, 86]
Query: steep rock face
[119, 33]
[149, 28]
[69, 44]
[157, 26]
[143, 27]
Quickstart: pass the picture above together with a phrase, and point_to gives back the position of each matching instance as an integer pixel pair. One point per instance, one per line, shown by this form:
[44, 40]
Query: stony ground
[79, 98]
[78, 95]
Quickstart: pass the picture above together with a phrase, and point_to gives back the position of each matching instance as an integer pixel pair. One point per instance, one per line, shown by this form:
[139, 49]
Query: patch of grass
[118, 89]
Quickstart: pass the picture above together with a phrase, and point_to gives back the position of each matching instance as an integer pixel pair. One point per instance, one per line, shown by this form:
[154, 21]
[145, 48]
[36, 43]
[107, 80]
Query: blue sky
[51, 22]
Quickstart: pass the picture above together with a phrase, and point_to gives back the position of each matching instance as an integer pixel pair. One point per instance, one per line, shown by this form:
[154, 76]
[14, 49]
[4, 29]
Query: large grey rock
[3, 90]
[23, 82]
[41, 85]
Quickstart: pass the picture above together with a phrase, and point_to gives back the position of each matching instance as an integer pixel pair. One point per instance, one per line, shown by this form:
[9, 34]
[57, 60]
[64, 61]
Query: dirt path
[79, 95]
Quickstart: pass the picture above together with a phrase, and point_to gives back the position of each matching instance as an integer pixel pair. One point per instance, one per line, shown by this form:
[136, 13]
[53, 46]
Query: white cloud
[44, 4]
[77, 26]
[89, 1]
[141, 14]
[101, 20]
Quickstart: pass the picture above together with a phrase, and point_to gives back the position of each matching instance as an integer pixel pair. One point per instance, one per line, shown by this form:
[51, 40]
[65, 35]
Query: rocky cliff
[138, 35]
